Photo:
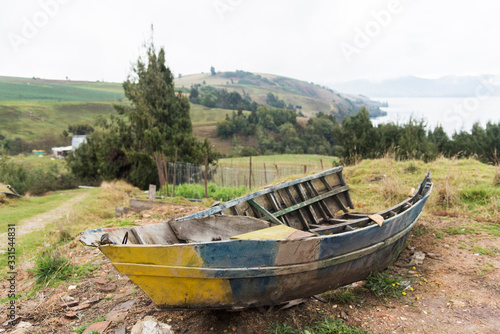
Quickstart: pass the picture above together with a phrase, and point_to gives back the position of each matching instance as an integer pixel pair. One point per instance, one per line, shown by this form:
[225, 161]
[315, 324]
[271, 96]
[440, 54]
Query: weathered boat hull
[232, 256]
[247, 273]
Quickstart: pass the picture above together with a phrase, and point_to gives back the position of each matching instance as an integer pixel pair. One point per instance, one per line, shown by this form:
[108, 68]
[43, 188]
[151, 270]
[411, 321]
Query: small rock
[121, 330]
[70, 315]
[80, 307]
[343, 315]
[151, 326]
[108, 287]
[72, 287]
[101, 281]
[99, 327]
[120, 312]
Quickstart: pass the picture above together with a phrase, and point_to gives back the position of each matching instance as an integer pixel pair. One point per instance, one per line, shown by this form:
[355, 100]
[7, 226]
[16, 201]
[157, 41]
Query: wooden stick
[250, 175]
[206, 175]
[265, 173]
[175, 173]
[165, 171]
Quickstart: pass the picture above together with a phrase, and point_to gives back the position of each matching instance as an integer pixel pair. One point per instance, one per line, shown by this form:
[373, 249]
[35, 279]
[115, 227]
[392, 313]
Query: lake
[453, 114]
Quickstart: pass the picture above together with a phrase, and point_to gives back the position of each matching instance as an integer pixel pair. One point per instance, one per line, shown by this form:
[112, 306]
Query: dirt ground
[454, 291]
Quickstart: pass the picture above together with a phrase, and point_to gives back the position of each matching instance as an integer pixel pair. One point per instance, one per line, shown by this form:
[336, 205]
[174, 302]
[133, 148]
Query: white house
[62, 152]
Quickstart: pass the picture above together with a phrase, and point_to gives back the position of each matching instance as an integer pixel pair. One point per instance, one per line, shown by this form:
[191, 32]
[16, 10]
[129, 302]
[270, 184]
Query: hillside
[33, 108]
[311, 97]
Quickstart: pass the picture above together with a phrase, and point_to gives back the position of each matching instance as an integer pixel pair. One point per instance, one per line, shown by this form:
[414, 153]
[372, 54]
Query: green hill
[32, 108]
[310, 97]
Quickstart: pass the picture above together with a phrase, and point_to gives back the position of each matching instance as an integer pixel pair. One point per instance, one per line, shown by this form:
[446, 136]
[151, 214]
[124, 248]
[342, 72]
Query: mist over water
[453, 114]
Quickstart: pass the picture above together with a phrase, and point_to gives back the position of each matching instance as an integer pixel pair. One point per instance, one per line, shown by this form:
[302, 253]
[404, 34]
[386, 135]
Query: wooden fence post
[175, 173]
[321, 160]
[265, 173]
[250, 176]
[305, 169]
[206, 175]
[165, 170]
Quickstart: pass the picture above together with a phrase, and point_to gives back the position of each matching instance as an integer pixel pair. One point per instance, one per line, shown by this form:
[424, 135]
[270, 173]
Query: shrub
[36, 180]
[52, 265]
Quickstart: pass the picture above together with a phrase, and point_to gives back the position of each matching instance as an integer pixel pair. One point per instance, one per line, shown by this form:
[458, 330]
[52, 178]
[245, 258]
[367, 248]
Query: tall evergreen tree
[157, 119]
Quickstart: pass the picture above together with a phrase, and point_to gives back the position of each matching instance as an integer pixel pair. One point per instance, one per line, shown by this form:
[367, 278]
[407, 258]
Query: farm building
[62, 152]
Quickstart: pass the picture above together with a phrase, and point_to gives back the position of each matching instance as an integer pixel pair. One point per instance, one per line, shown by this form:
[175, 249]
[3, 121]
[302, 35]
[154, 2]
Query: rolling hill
[31, 108]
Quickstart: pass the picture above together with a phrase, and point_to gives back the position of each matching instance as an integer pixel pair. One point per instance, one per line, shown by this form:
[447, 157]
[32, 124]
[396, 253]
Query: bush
[36, 180]
[52, 265]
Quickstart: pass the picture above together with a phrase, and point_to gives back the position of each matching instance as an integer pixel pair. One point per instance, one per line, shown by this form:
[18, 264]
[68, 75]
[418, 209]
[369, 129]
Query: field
[455, 290]
[33, 108]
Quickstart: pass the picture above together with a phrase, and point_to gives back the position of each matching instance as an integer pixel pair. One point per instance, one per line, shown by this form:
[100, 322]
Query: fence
[262, 175]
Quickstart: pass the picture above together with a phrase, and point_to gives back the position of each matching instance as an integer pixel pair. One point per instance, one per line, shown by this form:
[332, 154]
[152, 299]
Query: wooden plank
[263, 211]
[347, 195]
[323, 208]
[310, 208]
[294, 203]
[283, 185]
[275, 206]
[298, 206]
[335, 198]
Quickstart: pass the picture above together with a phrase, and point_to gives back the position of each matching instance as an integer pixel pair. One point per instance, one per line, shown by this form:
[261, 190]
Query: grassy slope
[311, 97]
[31, 108]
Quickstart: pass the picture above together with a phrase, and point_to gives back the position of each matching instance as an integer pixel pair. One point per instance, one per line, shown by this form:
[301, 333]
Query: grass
[36, 90]
[462, 187]
[197, 191]
[35, 119]
[326, 326]
[95, 209]
[309, 160]
[342, 296]
[52, 268]
[384, 285]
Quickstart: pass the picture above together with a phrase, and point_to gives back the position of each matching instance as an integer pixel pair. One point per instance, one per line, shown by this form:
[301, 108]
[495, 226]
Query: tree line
[354, 138]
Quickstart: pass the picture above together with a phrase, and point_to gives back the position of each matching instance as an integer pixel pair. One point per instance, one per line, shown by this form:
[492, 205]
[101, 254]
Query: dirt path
[39, 221]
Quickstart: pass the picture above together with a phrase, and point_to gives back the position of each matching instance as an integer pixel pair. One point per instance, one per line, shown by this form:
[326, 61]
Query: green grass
[197, 191]
[326, 326]
[384, 285]
[52, 268]
[42, 91]
[34, 119]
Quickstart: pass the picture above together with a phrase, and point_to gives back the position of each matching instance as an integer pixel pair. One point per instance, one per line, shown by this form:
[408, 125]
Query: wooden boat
[288, 241]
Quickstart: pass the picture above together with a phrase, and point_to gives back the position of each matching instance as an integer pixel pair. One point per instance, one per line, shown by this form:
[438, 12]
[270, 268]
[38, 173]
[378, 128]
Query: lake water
[453, 114]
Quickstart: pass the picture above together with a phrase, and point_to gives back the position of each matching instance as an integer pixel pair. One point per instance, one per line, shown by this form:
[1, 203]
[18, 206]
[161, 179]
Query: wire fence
[251, 177]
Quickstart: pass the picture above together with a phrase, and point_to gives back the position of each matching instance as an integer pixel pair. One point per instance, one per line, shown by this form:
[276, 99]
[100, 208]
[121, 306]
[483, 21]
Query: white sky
[95, 40]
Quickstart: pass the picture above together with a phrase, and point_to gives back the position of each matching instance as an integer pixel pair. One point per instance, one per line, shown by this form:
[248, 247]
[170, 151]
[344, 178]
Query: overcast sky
[319, 41]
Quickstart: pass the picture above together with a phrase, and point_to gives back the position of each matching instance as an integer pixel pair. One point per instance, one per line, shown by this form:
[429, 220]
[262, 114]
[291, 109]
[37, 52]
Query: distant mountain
[449, 86]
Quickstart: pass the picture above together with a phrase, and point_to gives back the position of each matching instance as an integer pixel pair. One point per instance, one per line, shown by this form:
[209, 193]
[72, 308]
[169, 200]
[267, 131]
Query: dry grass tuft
[447, 193]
